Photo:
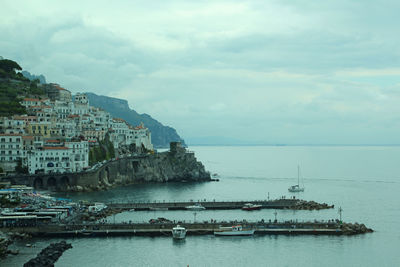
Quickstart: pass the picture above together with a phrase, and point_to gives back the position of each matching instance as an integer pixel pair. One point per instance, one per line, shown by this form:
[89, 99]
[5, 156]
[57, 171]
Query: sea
[364, 181]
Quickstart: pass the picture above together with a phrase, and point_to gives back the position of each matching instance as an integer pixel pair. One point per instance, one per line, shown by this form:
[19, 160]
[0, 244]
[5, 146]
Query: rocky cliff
[166, 167]
[178, 164]
[161, 135]
[159, 167]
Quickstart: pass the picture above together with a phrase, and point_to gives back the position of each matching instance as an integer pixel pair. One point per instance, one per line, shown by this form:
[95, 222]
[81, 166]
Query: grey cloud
[220, 77]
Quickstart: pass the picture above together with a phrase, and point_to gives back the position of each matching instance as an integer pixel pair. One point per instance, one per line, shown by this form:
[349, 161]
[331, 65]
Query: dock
[282, 203]
[197, 228]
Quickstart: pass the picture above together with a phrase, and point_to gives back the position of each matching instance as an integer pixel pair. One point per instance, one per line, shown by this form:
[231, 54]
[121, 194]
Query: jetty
[331, 227]
[283, 203]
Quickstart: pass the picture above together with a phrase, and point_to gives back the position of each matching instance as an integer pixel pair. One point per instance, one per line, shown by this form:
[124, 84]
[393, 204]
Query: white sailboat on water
[296, 188]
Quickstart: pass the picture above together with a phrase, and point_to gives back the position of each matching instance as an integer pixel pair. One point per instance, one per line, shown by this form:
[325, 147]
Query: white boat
[296, 188]
[233, 231]
[251, 206]
[157, 208]
[178, 232]
[196, 206]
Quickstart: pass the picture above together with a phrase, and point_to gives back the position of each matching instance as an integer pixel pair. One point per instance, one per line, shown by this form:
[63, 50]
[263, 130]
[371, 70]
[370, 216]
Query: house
[11, 151]
[49, 159]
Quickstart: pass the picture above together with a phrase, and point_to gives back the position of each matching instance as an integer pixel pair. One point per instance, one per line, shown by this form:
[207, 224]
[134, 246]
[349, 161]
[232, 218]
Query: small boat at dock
[236, 230]
[196, 207]
[178, 232]
[158, 208]
[250, 206]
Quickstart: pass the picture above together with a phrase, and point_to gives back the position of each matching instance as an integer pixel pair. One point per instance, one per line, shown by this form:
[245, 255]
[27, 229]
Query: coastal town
[60, 134]
[52, 140]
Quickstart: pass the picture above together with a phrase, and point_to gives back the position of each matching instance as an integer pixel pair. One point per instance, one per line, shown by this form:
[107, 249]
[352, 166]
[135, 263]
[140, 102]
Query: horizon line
[225, 144]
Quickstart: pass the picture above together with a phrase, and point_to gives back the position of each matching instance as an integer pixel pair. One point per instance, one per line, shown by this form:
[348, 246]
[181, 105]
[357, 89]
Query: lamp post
[340, 213]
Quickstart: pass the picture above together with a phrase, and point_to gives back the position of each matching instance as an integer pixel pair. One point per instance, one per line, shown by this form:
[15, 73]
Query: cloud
[271, 71]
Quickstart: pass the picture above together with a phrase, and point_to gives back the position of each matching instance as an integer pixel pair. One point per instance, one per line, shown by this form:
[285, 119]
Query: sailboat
[296, 188]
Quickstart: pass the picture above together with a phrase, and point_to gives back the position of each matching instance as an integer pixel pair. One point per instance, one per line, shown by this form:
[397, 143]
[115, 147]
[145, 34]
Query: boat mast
[298, 175]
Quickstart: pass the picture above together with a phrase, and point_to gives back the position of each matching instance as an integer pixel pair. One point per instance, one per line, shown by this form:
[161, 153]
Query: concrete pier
[201, 228]
[222, 205]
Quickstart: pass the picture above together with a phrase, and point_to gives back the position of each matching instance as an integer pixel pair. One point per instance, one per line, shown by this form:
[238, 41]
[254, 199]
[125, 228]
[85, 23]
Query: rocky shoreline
[176, 165]
[355, 228]
[311, 205]
[5, 241]
[8, 239]
[163, 167]
[49, 255]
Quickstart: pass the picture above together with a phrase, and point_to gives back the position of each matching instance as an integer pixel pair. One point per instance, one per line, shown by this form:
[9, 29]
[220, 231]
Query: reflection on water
[178, 242]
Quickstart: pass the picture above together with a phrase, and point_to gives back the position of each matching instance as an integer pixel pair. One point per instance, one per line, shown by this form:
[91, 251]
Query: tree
[21, 169]
[9, 65]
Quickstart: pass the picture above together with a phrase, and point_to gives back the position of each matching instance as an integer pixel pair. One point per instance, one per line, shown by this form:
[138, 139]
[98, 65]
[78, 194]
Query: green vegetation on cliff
[104, 151]
[14, 87]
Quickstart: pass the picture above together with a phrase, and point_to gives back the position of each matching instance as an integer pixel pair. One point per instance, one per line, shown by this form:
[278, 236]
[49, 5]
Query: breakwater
[178, 164]
[292, 203]
[49, 255]
[330, 227]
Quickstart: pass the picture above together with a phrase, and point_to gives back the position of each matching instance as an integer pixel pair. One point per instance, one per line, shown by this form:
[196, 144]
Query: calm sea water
[364, 181]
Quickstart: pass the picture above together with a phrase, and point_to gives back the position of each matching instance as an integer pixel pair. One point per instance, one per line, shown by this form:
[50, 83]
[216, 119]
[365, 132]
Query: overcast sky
[293, 72]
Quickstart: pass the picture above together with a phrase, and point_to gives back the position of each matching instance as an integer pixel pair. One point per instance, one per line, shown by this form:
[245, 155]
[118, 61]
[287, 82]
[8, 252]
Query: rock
[49, 255]
[5, 241]
[13, 251]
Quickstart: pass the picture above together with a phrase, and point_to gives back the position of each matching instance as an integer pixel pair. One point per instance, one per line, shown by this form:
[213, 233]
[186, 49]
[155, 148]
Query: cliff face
[166, 167]
[161, 135]
[160, 167]
[178, 165]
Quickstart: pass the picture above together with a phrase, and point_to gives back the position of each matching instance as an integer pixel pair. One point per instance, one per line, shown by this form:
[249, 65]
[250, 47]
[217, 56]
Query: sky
[265, 72]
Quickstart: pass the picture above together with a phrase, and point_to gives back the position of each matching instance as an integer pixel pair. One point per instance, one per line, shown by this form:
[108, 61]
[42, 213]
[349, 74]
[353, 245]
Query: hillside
[161, 135]
[13, 87]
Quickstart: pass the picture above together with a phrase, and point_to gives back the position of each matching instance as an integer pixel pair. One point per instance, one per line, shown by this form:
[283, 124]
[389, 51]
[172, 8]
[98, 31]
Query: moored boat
[250, 206]
[236, 230]
[178, 232]
[196, 206]
[296, 188]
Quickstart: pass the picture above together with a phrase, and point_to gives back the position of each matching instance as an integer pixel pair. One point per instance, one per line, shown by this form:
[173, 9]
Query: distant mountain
[161, 135]
[32, 77]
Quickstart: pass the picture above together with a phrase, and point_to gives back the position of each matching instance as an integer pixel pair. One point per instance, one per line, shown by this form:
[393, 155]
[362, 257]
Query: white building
[58, 157]
[49, 160]
[81, 104]
[63, 109]
[143, 137]
[79, 155]
[119, 130]
[12, 125]
[11, 150]
[29, 102]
